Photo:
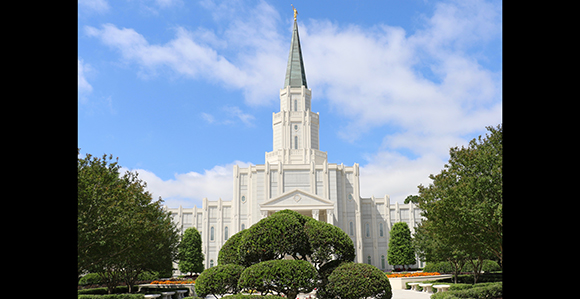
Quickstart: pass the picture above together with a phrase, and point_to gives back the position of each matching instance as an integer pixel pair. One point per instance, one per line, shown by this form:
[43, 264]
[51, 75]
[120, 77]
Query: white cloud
[188, 189]
[390, 173]
[373, 75]
[94, 5]
[168, 3]
[83, 85]
[251, 58]
[236, 112]
[230, 115]
[208, 117]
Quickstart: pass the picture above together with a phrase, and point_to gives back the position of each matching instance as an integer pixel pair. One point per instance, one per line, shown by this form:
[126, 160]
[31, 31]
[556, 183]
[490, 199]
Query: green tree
[288, 277]
[412, 198]
[401, 250]
[121, 232]
[432, 249]
[464, 203]
[190, 255]
[358, 281]
[273, 238]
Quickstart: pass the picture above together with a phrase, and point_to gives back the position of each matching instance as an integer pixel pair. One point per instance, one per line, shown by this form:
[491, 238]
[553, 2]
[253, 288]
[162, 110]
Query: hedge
[103, 291]
[446, 267]
[483, 291]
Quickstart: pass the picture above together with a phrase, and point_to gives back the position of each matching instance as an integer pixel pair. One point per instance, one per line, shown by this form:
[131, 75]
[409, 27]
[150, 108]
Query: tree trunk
[292, 294]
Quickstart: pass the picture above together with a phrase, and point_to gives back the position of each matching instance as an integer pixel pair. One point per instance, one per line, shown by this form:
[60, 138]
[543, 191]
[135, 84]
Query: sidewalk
[408, 294]
[397, 294]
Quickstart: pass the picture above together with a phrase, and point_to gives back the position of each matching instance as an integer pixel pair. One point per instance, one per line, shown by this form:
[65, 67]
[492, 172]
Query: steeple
[295, 75]
[295, 127]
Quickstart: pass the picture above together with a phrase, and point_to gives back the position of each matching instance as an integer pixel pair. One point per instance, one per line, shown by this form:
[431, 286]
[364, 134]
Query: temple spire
[295, 75]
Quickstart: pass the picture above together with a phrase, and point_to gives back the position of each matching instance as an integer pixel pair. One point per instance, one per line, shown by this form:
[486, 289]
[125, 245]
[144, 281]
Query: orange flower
[416, 274]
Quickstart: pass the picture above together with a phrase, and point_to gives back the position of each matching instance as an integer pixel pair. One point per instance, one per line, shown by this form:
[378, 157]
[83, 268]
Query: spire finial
[295, 12]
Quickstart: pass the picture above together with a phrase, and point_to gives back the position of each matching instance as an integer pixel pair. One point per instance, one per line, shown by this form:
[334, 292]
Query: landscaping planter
[400, 283]
[190, 286]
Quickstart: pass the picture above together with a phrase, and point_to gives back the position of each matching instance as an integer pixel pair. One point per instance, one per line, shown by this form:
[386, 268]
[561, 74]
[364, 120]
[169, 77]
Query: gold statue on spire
[295, 12]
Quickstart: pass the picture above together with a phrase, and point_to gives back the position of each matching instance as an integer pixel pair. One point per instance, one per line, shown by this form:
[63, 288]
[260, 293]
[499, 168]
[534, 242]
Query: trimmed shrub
[358, 281]
[218, 280]
[441, 267]
[288, 277]
[103, 291]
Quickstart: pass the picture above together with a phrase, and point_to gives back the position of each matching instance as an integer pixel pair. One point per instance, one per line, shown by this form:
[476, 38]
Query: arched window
[226, 233]
[351, 229]
[381, 229]
[369, 259]
[382, 262]
[295, 142]
[210, 263]
[368, 230]
[211, 233]
[243, 226]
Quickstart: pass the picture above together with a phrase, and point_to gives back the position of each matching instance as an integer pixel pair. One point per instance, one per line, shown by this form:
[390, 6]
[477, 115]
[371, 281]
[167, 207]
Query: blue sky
[181, 90]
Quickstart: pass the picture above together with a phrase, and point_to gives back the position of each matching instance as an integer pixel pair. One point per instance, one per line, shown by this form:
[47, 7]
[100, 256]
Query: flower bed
[414, 274]
[173, 282]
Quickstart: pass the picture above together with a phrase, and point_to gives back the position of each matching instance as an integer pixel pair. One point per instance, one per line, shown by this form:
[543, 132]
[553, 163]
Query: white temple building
[296, 175]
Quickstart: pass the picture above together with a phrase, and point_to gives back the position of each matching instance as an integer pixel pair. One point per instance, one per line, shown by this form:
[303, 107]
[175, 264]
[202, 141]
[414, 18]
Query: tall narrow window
[295, 105]
[295, 142]
[382, 262]
[381, 229]
[226, 233]
[243, 226]
[210, 263]
[368, 231]
[351, 229]
[211, 234]
[369, 259]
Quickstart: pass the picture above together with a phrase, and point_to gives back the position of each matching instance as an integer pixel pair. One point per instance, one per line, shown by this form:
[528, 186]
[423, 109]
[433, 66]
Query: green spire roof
[295, 75]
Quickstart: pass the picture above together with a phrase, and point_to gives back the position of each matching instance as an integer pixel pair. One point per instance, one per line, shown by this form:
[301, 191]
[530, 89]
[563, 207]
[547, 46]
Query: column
[315, 214]
[330, 216]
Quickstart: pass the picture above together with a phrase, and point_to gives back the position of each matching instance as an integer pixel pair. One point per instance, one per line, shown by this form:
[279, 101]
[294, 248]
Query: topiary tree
[229, 252]
[288, 277]
[328, 243]
[401, 250]
[219, 280]
[190, 255]
[358, 281]
[273, 238]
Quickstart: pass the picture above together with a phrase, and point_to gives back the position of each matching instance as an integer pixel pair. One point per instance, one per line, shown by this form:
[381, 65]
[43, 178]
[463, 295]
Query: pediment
[295, 200]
